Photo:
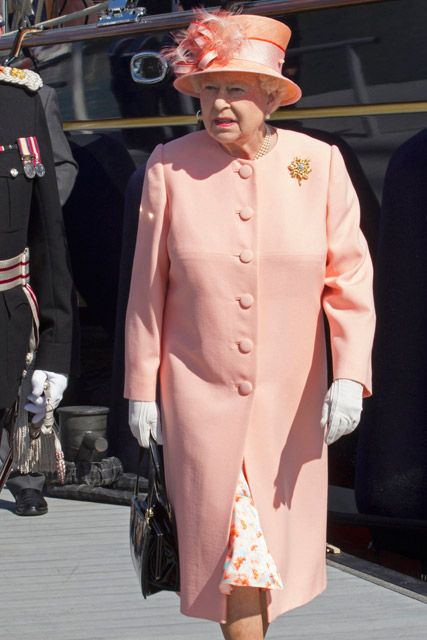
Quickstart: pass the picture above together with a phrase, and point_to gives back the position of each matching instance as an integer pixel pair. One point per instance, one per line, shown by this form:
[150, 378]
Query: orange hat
[225, 42]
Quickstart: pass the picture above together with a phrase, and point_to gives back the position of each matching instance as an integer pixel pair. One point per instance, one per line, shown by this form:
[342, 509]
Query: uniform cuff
[54, 356]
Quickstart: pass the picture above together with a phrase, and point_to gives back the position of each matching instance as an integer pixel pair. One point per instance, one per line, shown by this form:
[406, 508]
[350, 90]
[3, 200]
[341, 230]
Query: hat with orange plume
[222, 41]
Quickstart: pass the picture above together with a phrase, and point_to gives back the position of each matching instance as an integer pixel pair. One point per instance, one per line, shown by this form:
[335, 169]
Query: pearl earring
[199, 116]
[267, 117]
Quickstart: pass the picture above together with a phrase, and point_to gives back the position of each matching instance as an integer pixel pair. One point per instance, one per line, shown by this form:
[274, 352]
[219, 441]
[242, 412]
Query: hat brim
[290, 91]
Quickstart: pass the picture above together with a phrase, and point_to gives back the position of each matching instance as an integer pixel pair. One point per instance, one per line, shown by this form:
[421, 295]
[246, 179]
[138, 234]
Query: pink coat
[233, 263]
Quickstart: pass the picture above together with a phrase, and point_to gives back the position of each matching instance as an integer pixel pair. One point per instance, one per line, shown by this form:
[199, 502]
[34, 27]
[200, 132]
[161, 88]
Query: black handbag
[153, 539]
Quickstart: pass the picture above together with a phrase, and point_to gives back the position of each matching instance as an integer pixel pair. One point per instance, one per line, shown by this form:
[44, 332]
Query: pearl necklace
[266, 143]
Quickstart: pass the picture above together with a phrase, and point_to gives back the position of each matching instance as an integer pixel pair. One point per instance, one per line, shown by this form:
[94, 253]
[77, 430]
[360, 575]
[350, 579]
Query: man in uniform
[30, 217]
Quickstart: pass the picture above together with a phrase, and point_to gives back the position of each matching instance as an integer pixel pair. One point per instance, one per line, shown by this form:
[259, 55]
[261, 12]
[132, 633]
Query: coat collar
[22, 77]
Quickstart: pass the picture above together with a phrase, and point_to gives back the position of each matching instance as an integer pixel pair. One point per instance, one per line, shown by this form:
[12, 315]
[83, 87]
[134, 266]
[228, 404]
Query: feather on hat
[222, 41]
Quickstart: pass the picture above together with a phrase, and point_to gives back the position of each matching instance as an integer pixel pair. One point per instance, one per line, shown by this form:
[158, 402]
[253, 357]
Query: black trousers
[18, 481]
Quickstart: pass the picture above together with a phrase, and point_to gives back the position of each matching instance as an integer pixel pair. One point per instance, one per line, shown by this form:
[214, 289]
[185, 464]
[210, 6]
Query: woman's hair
[267, 84]
[270, 86]
[197, 85]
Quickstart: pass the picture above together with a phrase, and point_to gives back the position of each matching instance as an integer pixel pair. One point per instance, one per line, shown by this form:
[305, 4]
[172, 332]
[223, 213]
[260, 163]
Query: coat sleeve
[66, 167]
[144, 317]
[348, 295]
[50, 275]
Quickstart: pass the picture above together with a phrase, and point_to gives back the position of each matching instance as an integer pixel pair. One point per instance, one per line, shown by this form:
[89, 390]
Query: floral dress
[248, 562]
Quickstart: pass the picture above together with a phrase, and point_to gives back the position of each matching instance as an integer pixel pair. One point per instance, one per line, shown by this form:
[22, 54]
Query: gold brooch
[299, 169]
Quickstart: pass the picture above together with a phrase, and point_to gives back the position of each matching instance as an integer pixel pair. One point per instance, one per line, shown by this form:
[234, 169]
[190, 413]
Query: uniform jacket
[234, 263]
[30, 215]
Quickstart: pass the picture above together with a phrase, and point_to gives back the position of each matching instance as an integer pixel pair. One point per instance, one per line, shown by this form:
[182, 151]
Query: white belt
[15, 272]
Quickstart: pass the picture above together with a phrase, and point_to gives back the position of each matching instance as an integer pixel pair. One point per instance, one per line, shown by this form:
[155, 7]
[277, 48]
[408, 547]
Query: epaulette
[23, 77]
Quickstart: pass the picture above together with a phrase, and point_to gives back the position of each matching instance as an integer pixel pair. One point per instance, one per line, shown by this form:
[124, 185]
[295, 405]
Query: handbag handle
[156, 480]
[139, 474]
[156, 483]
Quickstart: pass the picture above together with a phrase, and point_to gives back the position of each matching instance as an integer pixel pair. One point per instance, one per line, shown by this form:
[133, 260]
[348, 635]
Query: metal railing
[313, 113]
[162, 22]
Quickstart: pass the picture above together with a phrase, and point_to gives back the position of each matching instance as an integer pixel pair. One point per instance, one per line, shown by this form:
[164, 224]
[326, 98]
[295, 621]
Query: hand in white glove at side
[37, 400]
[144, 418]
[341, 409]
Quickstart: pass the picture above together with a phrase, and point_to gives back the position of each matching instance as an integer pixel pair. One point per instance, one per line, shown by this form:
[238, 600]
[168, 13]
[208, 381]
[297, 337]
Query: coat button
[246, 345]
[14, 173]
[246, 213]
[245, 171]
[245, 388]
[246, 255]
[246, 300]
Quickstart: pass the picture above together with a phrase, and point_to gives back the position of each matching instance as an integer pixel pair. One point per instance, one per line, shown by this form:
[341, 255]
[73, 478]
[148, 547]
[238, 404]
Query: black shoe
[30, 502]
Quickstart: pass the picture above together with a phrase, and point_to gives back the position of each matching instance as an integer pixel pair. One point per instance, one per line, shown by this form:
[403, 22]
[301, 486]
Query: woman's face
[234, 108]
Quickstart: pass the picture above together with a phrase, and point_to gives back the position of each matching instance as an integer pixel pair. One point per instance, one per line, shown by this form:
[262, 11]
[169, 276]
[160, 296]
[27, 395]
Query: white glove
[144, 418]
[342, 408]
[37, 400]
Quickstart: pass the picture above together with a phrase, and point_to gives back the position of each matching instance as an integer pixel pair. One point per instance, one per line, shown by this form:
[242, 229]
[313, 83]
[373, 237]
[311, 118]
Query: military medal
[29, 168]
[40, 170]
[27, 157]
[300, 169]
[30, 156]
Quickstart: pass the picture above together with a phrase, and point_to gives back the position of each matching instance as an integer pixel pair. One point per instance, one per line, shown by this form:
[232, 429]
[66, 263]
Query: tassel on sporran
[37, 448]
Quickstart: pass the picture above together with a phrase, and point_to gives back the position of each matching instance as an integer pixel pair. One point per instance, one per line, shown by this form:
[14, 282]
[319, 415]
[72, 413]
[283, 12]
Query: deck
[68, 575]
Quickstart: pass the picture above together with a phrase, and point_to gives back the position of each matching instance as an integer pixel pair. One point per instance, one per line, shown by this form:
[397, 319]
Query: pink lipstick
[224, 122]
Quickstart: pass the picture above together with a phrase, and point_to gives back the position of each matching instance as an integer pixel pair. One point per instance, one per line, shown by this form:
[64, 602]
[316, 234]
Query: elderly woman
[246, 235]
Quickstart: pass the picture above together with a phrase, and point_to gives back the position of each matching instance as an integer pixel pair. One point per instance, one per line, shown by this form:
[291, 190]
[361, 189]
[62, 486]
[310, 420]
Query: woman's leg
[263, 597]
[244, 615]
